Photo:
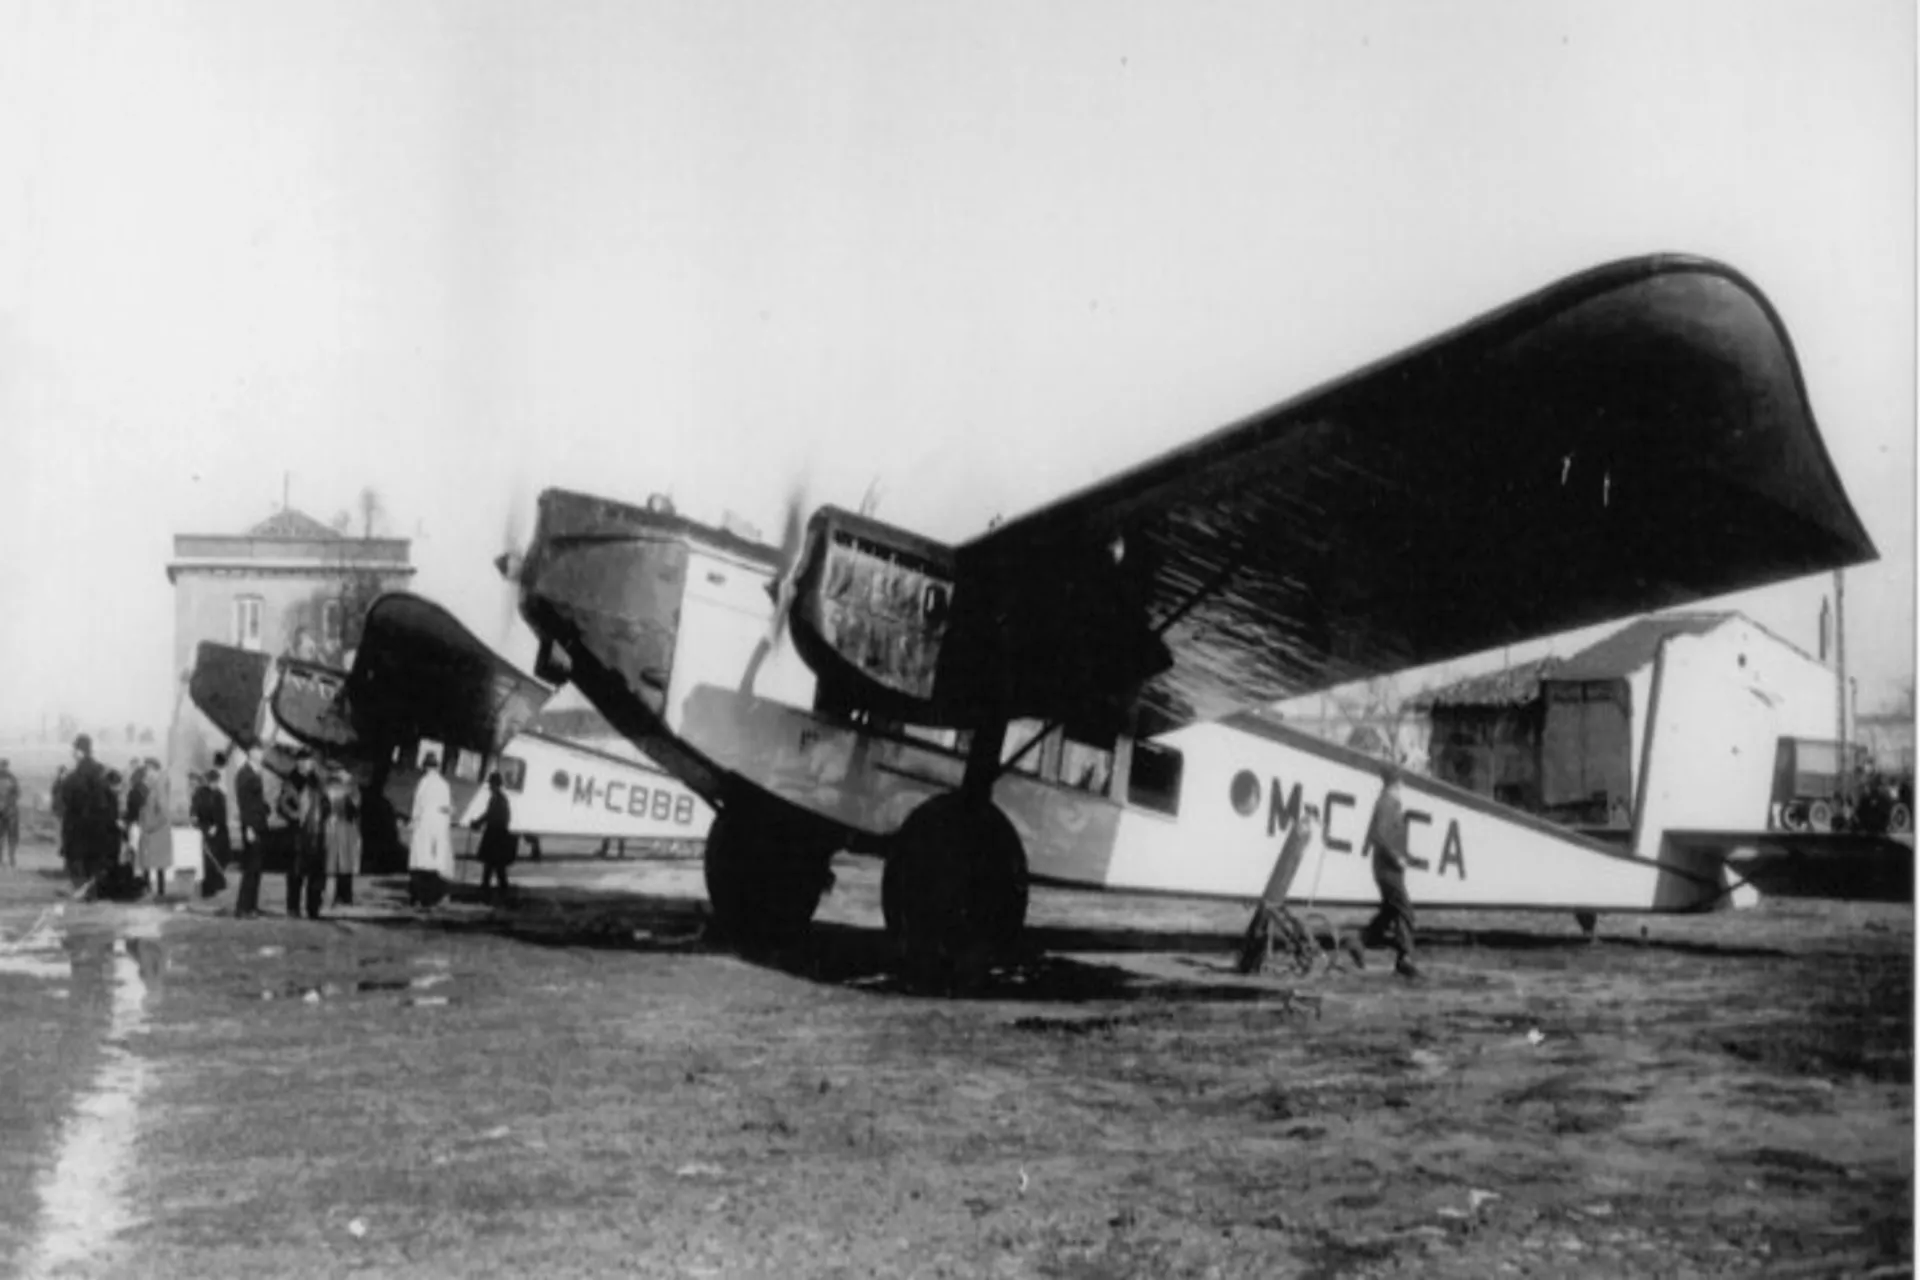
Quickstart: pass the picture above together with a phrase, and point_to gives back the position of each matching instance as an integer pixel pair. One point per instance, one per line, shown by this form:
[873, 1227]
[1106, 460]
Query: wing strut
[1200, 595]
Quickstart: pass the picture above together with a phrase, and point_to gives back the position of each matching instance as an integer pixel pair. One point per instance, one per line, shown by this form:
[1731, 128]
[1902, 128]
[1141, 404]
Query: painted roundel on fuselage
[560, 779]
[1245, 792]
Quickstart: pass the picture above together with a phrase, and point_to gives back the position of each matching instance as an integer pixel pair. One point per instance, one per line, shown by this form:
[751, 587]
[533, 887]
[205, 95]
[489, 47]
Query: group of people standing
[329, 820]
[320, 819]
[110, 840]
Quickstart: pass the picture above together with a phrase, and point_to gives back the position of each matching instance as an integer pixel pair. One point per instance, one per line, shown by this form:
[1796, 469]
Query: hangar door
[1586, 750]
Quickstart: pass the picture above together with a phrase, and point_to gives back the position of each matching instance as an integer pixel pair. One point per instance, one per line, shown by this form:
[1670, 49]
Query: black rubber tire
[954, 892]
[763, 882]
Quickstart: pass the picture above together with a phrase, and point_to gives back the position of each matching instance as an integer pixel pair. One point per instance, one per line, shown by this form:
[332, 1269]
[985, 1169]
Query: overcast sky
[979, 253]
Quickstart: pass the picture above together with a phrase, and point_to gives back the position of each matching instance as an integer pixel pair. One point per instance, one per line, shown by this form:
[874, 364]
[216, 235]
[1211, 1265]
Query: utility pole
[1840, 686]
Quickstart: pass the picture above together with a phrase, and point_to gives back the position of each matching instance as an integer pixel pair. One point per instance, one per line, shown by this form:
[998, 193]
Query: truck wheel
[1900, 819]
[1820, 816]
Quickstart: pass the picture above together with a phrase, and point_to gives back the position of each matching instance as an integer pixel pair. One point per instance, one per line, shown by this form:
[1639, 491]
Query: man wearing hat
[90, 823]
[250, 797]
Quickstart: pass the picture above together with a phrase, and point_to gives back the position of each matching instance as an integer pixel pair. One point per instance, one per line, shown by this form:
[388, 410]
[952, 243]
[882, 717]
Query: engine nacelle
[870, 614]
[890, 627]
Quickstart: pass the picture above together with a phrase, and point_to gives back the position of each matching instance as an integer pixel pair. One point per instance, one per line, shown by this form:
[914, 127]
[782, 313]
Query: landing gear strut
[764, 880]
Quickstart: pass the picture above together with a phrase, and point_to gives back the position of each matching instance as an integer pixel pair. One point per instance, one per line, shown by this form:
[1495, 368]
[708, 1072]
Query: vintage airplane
[1051, 700]
[421, 683]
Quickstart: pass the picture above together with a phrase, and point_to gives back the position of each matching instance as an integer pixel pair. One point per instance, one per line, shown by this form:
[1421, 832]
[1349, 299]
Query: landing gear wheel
[763, 881]
[1820, 816]
[954, 891]
[1900, 819]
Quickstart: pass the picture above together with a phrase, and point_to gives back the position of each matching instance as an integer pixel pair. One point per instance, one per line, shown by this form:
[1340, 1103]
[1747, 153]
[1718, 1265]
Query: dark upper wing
[1631, 438]
[419, 673]
[227, 684]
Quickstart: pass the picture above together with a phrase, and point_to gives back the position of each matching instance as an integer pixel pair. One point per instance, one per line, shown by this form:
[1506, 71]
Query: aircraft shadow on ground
[837, 954]
[1054, 966]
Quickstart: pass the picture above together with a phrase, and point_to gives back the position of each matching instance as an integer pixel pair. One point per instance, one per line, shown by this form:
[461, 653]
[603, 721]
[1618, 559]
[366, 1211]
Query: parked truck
[1823, 785]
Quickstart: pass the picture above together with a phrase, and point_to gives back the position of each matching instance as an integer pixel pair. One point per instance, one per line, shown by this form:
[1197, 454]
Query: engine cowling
[870, 613]
[889, 629]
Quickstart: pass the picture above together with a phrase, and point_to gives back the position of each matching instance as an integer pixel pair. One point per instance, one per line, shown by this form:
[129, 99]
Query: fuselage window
[1154, 780]
[1086, 767]
[467, 768]
[1037, 758]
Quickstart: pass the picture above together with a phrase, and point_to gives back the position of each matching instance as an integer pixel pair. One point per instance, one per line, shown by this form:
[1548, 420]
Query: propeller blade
[513, 542]
[793, 536]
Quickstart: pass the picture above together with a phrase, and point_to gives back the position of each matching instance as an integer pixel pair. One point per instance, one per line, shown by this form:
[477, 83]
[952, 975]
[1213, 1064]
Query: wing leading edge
[1632, 438]
[418, 673]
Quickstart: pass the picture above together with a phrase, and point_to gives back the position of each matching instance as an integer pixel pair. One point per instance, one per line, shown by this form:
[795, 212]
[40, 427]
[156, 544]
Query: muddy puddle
[83, 1200]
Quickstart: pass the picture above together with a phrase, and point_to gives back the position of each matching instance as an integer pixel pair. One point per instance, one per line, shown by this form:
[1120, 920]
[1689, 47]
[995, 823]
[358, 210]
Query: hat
[83, 743]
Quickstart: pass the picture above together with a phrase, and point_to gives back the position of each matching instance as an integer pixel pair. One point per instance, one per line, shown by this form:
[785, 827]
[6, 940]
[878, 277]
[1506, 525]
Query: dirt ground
[578, 1086]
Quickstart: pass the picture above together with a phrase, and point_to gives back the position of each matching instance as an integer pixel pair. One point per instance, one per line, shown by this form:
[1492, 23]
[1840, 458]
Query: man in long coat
[89, 823]
[343, 835]
[209, 813]
[156, 828]
[498, 844]
[430, 850]
[304, 806]
[250, 797]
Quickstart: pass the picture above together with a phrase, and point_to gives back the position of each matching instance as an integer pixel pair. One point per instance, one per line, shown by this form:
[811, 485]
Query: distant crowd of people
[116, 834]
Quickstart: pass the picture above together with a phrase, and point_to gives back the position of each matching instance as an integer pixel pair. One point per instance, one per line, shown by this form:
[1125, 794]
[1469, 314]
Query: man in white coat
[430, 852]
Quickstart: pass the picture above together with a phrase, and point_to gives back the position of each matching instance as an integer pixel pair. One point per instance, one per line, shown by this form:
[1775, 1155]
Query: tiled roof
[1509, 687]
[289, 523]
[1634, 646]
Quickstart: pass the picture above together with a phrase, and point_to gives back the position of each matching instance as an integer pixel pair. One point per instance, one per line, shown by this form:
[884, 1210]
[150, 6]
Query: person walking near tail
[1392, 925]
